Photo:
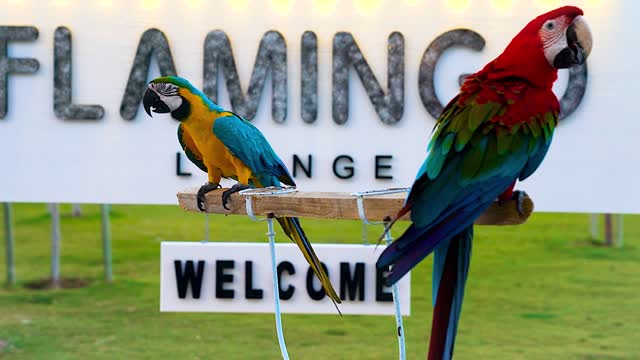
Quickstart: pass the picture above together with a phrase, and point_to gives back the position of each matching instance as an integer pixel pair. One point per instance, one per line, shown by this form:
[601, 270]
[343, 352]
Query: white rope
[273, 190]
[388, 239]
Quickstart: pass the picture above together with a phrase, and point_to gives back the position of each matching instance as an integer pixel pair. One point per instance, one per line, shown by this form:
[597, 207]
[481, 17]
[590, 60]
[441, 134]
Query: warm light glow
[61, 3]
[324, 7]
[194, 4]
[549, 3]
[238, 5]
[105, 3]
[413, 2]
[150, 4]
[367, 7]
[282, 6]
[594, 2]
[502, 5]
[458, 5]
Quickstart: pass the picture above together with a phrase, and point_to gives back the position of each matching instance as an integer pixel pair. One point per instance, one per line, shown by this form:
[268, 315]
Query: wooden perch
[336, 205]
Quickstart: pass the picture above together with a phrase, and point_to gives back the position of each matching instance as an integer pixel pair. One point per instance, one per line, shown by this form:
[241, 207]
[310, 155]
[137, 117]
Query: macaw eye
[550, 25]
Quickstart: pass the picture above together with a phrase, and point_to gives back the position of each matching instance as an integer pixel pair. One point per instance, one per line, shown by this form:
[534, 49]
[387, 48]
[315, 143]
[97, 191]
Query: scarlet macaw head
[564, 35]
[555, 40]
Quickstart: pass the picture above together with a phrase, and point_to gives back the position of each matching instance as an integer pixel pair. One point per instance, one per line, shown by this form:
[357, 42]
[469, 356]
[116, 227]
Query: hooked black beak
[151, 99]
[579, 44]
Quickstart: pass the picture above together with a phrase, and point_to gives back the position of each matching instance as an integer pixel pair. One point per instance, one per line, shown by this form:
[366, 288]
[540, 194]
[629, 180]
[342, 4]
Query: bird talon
[204, 189]
[225, 199]
[519, 197]
[234, 189]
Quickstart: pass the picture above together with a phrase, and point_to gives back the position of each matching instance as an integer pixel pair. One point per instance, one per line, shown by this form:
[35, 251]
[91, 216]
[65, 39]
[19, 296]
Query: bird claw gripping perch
[204, 189]
[234, 189]
[519, 196]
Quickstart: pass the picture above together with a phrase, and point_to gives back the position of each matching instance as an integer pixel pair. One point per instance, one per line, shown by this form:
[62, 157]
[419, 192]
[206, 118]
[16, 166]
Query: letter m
[271, 57]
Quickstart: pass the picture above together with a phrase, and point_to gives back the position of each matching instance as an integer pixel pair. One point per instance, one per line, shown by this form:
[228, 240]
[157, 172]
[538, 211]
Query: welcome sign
[236, 277]
[347, 92]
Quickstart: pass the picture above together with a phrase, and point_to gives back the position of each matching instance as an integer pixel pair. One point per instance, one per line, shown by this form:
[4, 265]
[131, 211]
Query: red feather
[523, 58]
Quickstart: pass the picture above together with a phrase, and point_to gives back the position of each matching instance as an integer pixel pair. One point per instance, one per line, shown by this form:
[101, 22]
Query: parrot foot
[204, 189]
[234, 189]
[519, 197]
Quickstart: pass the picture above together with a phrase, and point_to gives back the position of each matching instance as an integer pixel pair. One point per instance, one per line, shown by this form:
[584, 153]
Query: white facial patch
[168, 94]
[553, 37]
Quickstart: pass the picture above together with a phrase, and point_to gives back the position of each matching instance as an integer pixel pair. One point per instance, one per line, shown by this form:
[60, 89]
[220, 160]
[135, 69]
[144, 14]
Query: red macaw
[495, 131]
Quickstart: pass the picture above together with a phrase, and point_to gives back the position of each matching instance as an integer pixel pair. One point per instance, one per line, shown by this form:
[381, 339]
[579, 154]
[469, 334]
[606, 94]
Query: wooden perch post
[337, 205]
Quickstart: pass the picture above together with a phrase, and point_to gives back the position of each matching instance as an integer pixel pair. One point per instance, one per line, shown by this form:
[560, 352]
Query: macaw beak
[152, 100]
[579, 43]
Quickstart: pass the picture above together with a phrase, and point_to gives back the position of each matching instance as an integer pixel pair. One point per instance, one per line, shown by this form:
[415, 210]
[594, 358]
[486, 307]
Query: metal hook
[267, 191]
[361, 212]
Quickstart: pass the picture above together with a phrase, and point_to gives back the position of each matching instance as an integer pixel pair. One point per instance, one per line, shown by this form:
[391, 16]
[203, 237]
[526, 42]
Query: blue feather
[463, 248]
[536, 159]
[248, 144]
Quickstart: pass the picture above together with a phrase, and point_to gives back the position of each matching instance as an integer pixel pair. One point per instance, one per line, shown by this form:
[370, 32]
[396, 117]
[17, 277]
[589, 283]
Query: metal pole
[608, 230]
[106, 242]
[206, 227]
[8, 239]
[55, 244]
[276, 288]
[620, 230]
[76, 210]
[365, 238]
[396, 301]
[594, 225]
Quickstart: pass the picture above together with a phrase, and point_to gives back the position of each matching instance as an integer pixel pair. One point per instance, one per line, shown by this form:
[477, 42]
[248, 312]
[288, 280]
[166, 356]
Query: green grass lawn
[538, 291]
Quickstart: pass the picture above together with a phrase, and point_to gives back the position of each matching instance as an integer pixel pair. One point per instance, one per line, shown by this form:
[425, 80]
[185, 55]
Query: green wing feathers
[477, 130]
[475, 140]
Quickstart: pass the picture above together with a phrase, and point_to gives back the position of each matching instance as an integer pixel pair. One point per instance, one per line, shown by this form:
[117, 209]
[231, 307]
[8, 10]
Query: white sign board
[591, 165]
[237, 277]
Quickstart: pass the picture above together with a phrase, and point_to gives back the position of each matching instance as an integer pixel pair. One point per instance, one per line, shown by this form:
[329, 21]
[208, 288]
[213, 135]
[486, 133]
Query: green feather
[533, 145]
[463, 133]
[504, 139]
[434, 164]
[534, 126]
[549, 125]
[517, 142]
[492, 160]
[547, 131]
[472, 161]
[480, 113]
[446, 143]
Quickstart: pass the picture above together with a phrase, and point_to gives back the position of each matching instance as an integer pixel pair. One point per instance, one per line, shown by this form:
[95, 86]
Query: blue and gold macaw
[223, 144]
[496, 131]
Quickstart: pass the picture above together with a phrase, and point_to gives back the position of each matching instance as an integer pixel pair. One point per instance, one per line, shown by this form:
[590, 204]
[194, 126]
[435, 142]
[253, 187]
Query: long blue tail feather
[443, 335]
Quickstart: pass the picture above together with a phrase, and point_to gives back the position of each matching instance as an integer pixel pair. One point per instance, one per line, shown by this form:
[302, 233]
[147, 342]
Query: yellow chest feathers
[199, 125]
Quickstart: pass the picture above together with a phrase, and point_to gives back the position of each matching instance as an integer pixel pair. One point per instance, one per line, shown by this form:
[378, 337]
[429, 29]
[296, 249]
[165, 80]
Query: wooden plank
[336, 205]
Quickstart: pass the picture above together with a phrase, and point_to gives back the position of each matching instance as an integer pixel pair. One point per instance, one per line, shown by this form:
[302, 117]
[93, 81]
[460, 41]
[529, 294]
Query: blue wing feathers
[535, 160]
[248, 144]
